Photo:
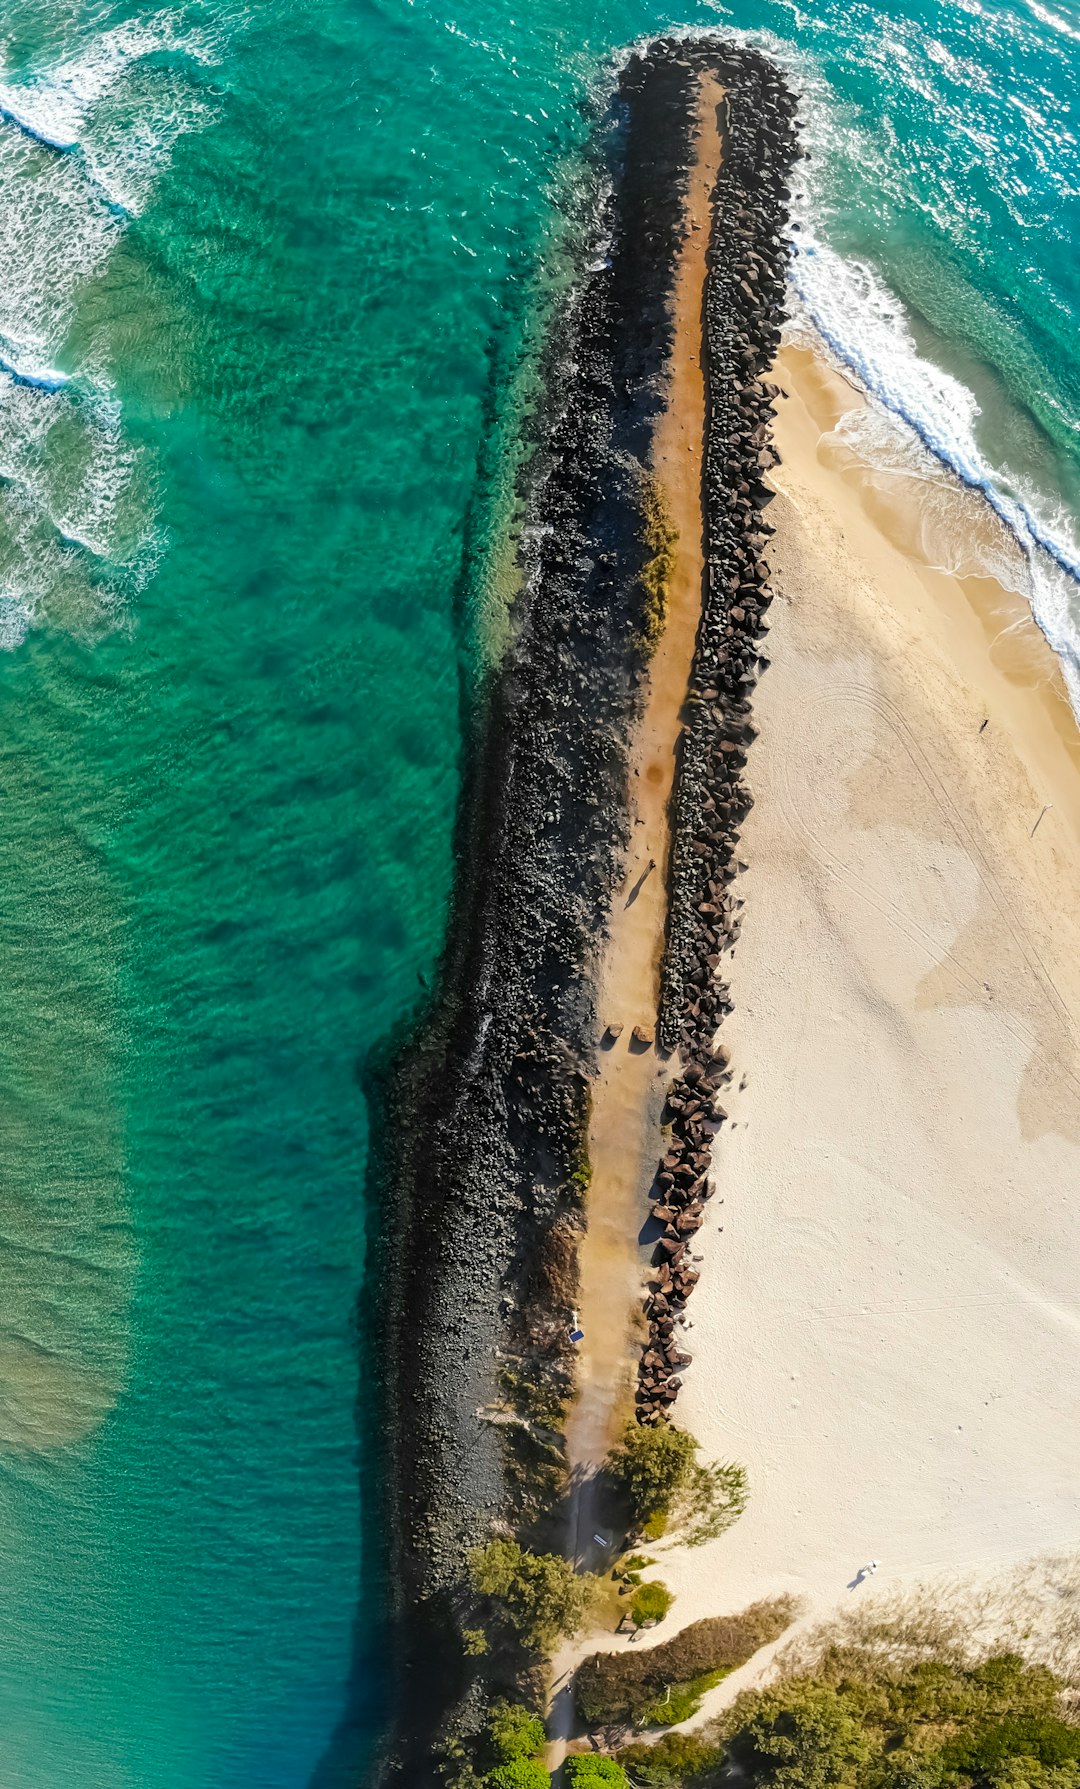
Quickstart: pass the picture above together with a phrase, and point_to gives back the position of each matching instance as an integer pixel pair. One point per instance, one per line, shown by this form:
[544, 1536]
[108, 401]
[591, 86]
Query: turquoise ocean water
[267, 278]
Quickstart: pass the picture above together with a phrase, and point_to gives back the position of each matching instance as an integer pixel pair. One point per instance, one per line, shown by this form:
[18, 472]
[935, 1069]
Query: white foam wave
[82, 143]
[842, 304]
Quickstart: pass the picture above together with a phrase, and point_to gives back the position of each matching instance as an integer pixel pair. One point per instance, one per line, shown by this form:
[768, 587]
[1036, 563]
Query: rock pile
[744, 296]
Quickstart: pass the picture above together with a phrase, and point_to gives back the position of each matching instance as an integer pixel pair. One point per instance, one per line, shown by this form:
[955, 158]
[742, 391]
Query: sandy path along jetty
[627, 1093]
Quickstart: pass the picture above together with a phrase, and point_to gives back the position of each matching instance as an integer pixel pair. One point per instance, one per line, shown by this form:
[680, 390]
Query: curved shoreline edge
[487, 1109]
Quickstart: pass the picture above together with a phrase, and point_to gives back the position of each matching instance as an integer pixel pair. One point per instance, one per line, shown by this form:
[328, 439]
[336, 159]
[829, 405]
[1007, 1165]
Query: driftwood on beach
[488, 1106]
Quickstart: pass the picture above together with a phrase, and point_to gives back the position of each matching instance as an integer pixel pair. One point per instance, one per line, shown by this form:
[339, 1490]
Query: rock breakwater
[488, 1107]
[743, 311]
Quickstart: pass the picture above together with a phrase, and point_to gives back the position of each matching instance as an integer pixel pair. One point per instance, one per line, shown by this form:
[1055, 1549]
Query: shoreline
[824, 895]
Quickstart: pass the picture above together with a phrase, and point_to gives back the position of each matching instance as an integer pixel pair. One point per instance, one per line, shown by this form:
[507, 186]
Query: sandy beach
[887, 1329]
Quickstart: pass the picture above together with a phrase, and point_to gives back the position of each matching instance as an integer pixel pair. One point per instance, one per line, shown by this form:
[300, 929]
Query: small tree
[515, 1732]
[715, 1497]
[520, 1773]
[539, 1594]
[800, 1739]
[659, 1471]
[652, 1465]
[650, 1602]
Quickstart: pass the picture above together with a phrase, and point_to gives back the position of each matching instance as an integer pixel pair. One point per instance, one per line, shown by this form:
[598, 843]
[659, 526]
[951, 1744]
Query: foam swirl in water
[81, 145]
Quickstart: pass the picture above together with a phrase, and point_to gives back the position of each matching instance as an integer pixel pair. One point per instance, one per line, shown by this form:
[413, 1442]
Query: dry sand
[887, 1331]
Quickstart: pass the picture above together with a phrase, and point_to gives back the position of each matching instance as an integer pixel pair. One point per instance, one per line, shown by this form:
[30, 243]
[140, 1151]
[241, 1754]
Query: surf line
[50, 140]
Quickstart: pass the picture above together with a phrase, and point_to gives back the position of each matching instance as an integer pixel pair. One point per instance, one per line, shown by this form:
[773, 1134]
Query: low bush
[658, 1471]
[520, 1773]
[629, 1686]
[650, 1602]
[864, 1721]
[803, 1740]
[514, 1732]
[677, 1761]
[585, 1769]
[651, 1466]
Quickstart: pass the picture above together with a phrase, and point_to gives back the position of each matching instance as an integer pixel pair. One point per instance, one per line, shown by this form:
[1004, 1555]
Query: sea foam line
[40, 378]
[864, 329]
[51, 139]
[880, 379]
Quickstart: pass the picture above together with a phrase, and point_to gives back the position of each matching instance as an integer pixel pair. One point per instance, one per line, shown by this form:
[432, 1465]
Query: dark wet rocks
[488, 1107]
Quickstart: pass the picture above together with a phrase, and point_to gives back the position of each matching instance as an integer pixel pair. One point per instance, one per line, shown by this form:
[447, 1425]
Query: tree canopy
[539, 1595]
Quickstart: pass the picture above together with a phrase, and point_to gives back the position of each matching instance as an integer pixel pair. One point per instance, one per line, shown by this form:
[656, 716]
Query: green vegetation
[804, 1739]
[659, 537]
[665, 1684]
[936, 1724]
[676, 1761]
[521, 1773]
[658, 1471]
[585, 1769]
[650, 1602]
[866, 1717]
[538, 1596]
[515, 1732]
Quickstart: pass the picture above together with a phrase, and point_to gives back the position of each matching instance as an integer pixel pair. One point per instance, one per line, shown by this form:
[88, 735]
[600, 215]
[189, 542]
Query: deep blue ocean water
[269, 283]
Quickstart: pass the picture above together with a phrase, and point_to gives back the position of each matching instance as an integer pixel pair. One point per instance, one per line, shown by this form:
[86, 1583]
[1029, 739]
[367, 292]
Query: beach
[887, 1333]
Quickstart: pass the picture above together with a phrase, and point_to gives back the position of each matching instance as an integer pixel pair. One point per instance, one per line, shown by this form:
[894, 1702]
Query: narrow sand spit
[628, 1091]
[887, 1332]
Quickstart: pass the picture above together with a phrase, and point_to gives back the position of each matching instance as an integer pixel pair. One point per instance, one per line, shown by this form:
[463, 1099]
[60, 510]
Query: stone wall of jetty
[744, 297]
[487, 1108]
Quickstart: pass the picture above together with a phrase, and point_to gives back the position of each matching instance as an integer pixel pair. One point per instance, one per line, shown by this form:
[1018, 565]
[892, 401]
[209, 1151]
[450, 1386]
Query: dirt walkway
[628, 1093]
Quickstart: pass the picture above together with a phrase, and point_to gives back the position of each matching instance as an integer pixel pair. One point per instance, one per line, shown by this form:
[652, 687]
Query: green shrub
[680, 1700]
[677, 1761]
[650, 1603]
[715, 1497]
[863, 1720]
[585, 1769]
[661, 1477]
[628, 1686]
[539, 1595]
[520, 1773]
[800, 1739]
[659, 537]
[514, 1732]
[652, 1465]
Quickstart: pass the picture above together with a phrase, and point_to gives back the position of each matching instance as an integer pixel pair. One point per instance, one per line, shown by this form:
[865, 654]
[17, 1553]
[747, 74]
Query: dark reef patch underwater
[269, 288]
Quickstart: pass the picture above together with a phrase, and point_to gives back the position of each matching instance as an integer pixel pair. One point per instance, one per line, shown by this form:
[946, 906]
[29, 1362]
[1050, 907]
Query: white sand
[887, 1332]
